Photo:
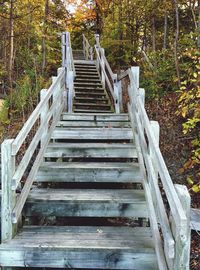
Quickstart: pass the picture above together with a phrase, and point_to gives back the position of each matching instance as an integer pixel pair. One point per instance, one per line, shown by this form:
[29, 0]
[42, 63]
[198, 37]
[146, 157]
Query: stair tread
[99, 124]
[93, 133]
[81, 247]
[89, 165]
[91, 145]
[90, 98]
[82, 237]
[95, 117]
[91, 111]
[91, 104]
[89, 195]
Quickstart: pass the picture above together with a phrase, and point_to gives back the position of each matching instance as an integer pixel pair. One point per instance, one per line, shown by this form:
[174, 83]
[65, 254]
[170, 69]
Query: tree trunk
[98, 18]
[176, 42]
[44, 36]
[153, 33]
[165, 31]
[198, 30]
[11, 56]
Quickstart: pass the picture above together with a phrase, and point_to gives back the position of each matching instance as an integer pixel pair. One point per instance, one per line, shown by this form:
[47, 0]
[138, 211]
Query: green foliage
[158, 76]
[189, 108]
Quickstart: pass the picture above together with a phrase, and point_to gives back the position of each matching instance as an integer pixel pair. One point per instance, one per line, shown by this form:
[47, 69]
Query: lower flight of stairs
[90, 94]
[87, 207]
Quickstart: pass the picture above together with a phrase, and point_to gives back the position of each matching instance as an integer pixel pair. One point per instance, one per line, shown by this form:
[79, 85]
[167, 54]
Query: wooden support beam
[8, 198]
[182, 237]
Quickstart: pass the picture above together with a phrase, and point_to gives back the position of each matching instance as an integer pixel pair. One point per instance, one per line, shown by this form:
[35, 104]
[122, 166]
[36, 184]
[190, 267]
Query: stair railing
[29, 146]
[108, 78]
[173, 243]
[68, 63]
[87, 49]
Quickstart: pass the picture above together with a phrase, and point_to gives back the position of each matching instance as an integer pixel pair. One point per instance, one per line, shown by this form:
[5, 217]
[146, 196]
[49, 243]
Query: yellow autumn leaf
[195, 75]
[184, 112]
[196, 188]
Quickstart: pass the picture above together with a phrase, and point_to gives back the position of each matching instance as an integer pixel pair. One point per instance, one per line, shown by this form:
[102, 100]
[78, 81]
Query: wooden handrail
[19, 140]
[176, 239]
[106, 76]
[70, 69]
[87, 49]
[12, 175]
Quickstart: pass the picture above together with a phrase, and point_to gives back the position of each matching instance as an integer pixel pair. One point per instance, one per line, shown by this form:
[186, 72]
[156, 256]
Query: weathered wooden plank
[31, 148]
[95, 117]
[87, 203]
[104, 259]
[182, 236]
[195, 219]
[31, 177]
[155, 193]
[92, 150]
[82, 247]
[174, 202]
[34, 116]
[89, 172]
[106, 124]
[93, 133]
[152, 215]
[8, 197]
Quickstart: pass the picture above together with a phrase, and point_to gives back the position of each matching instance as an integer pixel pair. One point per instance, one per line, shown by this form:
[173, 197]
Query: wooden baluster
[91, 53]
[102, 55]
[43, 116]
[116, 92]
[8, 199]
[182, 232]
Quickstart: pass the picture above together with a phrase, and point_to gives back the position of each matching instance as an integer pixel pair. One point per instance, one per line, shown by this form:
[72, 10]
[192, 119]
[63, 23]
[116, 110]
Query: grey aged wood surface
[76, 247]
[87, 203]
[89, 172]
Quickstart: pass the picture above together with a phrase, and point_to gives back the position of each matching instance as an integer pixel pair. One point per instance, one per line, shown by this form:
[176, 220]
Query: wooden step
[87, 73]
[127, 203]
[95, 117]
[91, 111]
[89, 90]
[85, 67]
[87, 80]
[92, 134]
[100, 124]
[116, 172]
[91, 150]
[90, 99]
[90, 94]
[91, 105]
[88, 84]
[81, 247]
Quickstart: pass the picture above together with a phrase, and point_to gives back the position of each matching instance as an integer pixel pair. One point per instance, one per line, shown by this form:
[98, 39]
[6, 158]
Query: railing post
[103, 78]
[182, 232]
[70, 84]
[63, 91]
[8, 197]
[156, 131]
[116, 92]
[97, 38]
[91, 53]
[98, 49]
[136, 75]
[43, 116]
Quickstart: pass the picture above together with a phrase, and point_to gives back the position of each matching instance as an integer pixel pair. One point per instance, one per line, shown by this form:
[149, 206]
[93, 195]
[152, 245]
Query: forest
[160, 36]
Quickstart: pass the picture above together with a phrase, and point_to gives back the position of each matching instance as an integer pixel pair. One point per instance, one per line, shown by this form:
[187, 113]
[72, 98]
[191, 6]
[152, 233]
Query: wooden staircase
[90, 94]
[90, 170]
[91, 198]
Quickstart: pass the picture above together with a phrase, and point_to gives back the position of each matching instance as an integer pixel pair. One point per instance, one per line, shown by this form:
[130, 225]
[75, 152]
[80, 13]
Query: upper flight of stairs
[90, 94]
[87, 207]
